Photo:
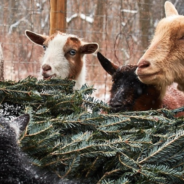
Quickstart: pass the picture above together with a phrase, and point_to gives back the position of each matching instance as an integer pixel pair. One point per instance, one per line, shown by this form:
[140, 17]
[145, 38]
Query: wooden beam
[1, 64]
[61, 18]
[53, 5]
[57, 16]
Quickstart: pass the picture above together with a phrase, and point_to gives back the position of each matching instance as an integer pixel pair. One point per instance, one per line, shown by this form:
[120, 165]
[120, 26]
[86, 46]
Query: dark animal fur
[15, 167]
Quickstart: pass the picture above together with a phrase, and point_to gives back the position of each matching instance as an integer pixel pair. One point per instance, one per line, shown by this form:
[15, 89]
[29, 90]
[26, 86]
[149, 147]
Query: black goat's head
[127, 92]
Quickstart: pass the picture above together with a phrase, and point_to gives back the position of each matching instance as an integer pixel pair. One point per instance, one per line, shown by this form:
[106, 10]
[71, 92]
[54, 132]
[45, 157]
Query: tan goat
[163, 62]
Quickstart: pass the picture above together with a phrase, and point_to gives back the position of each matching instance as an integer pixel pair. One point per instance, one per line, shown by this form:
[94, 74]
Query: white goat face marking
[64, 55]
[55, 57]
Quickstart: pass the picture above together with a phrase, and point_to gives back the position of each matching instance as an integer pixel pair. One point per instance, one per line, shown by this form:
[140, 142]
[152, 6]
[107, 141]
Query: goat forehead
[125, 73]
[170, 24]
[172, 18]
[59, 40]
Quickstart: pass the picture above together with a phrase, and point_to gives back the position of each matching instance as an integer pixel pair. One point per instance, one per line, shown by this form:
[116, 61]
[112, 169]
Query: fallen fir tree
[69, 135]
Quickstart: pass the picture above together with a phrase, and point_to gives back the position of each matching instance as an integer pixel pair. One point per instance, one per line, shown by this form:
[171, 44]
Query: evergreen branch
[79, 138]
[165, 170]
[91, 167]
[68, 135]
[157, 154]
[61, 161]
[98, 104]
[70, 168]
[129, 163]
[39, 132]
[152, 177]
[175, 111]
[121, 180]
[108, 174]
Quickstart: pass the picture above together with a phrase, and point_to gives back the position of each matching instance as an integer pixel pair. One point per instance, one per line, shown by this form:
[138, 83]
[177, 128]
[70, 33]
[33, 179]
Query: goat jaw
[47, 77]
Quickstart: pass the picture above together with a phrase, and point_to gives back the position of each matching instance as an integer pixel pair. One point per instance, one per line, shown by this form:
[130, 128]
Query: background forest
[123, 29]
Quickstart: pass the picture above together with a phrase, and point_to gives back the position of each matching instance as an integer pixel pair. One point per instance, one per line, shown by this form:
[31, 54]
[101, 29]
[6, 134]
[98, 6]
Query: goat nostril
[144, 64]
[46, 67]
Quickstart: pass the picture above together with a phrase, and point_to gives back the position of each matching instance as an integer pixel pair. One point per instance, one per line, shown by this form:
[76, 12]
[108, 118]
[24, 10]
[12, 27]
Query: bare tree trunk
[99, 20]
[144, 21]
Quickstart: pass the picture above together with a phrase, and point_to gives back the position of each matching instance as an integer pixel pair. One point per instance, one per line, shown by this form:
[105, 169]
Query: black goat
[15, 167]
[128, 93]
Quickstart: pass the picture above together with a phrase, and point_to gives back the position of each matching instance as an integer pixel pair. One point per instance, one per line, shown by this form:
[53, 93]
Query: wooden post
[1, 64]
[57, 16]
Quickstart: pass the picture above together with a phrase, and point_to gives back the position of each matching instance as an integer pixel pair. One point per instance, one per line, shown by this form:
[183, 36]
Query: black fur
[15, 167]
[127, 92]
[126, 88]
[106, 64]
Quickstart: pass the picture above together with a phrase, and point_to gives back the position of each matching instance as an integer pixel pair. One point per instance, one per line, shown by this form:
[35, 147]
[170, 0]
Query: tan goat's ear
[36, 38]
[170, 9]
[89, 48]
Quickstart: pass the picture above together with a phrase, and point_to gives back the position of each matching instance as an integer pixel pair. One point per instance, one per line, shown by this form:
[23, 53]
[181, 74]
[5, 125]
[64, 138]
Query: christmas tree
[76, 136]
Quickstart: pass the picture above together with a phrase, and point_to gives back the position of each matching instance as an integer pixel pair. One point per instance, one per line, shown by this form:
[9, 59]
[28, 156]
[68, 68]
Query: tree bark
[144, 21]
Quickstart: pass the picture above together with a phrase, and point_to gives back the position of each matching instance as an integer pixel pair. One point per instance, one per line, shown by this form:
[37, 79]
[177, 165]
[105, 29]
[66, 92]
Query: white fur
[54, 56]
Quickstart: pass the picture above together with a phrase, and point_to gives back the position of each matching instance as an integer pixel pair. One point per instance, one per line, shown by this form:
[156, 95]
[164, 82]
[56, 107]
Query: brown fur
[163, 62]
[75, 68]
[148, 101]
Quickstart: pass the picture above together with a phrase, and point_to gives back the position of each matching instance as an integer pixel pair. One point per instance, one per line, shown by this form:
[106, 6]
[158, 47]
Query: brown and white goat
[128, 93]
[163, 62]
[64, 55]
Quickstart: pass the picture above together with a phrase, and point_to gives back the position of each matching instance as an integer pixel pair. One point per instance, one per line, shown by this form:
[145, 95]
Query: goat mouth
[144, 76]
[47, 77]
[116, 106]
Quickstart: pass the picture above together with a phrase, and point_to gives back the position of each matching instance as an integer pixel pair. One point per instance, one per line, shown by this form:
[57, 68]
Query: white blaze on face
[54, 56]
[64, 55]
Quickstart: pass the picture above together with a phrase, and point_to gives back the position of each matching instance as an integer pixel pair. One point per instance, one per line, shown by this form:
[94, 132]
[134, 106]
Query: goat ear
[89, 48]
[109, 67]
[170, 9]
[35, 38]
[22, 121]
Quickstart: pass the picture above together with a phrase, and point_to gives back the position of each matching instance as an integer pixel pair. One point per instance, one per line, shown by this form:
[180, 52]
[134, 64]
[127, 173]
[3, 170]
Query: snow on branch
[129, 11]
[71, 18]
[17, 23]
[82, 16]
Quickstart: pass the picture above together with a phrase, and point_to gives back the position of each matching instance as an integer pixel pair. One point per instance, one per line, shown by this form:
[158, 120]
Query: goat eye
[44, 47]
[72, 52]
